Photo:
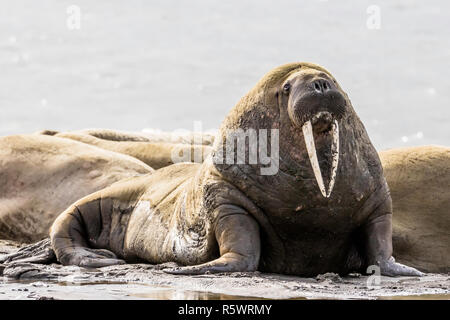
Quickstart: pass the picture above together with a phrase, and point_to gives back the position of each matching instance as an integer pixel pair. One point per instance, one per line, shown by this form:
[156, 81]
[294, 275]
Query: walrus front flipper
[40, 252]
[391, 268]
[379, 244]
[75, 232]
[229, 262]
[89, 258]
[239, 244]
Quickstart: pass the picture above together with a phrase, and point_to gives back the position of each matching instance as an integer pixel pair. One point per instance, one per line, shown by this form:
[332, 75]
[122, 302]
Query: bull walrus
[40, 176]
[418, 178]
[319, 203]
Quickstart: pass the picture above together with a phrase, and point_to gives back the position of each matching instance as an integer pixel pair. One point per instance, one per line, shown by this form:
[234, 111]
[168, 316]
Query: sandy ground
[143, 281]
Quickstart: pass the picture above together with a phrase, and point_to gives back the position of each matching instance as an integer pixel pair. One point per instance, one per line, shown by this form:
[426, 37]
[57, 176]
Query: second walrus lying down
[419, 180]
[40, 176]
[155, 150]
[318, 203]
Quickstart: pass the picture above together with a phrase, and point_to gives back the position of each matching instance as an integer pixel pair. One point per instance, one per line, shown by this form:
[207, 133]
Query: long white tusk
[310, 146]
[335, 153]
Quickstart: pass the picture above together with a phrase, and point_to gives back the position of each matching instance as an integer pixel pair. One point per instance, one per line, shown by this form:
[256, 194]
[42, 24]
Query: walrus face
[315, 104]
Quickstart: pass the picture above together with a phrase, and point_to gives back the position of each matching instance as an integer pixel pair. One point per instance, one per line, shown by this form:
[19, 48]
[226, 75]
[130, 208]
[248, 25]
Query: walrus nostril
[321, 86]
[317, 86]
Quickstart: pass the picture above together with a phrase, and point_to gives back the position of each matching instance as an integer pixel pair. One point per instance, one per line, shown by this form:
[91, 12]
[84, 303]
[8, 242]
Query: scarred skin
[228, 217]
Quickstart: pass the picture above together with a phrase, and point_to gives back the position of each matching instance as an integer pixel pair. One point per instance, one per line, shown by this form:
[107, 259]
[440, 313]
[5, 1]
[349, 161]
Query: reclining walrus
[319, 203]
[40, 176]
[155, 149]
[419, 180]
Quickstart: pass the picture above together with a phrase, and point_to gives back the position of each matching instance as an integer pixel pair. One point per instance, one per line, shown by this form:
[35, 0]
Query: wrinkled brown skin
[419, 180]
[153, 152]
[217, 218]
[40, 176]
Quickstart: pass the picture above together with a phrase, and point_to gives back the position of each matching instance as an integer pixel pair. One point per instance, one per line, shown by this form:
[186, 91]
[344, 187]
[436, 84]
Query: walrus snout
[311, 103]
[313, 94]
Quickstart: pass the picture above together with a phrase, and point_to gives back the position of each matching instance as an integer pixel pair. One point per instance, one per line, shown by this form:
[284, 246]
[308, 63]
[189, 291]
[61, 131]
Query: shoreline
[145, 281]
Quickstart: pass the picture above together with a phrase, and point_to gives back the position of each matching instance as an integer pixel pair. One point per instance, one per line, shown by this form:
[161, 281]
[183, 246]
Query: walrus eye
[286, 87]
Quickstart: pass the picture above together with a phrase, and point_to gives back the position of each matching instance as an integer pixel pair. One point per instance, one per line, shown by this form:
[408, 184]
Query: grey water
[136, 64]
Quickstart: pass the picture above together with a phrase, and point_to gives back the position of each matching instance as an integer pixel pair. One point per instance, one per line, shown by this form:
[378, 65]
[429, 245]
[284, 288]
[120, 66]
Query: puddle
[171, 294]
[110, 290]
[104, 290]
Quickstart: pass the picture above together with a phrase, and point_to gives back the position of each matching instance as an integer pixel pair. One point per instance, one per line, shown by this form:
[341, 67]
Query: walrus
[181, 136]
[156, 150]
[319, 203]
[419, 180]
[40, 176]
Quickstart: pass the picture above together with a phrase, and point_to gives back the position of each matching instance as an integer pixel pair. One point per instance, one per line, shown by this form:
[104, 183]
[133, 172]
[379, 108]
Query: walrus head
[315, 104]
[306, 104]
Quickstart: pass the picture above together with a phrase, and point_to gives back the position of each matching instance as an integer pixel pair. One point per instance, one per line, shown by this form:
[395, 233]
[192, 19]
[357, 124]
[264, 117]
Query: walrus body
[419, 180]
[40, 176]
[319, 202]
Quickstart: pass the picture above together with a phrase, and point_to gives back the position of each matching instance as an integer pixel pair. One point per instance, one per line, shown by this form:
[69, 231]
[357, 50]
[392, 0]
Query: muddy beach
[144, 281]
